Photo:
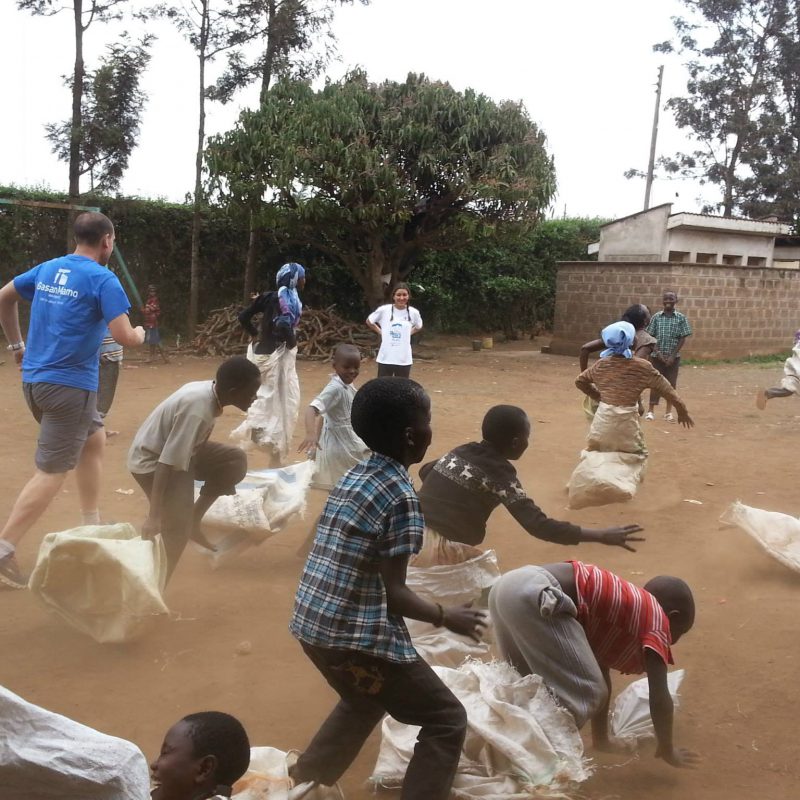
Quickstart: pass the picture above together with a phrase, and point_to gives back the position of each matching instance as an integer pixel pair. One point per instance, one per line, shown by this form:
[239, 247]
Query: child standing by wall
[152, 314]
[352, 598]
[338, 448]
[395, 323]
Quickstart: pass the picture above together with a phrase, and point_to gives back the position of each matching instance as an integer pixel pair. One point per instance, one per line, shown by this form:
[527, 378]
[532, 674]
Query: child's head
[638, 316]
[202, 753]
[393, 417]
[508, 430]
[151, 289]
[675, 598]
[401, 295]
[670, 299]
[237, 382]
[347, 362]
[291, 275]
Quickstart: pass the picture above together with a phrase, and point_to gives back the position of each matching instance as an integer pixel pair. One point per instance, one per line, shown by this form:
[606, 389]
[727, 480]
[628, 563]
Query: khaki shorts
[67, 417]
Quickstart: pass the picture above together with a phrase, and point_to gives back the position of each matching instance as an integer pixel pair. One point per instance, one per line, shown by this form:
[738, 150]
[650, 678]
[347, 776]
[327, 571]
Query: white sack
[264, 502]
[791, 371]
[267, 778]
[44, 755]
[602, 478]
[630, 719]
[778, 534]
[104, 580]
[519, 744]
[452, 585]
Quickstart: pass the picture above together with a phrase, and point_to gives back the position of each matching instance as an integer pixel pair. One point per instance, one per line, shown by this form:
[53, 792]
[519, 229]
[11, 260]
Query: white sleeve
[416, 319]
[376, 317]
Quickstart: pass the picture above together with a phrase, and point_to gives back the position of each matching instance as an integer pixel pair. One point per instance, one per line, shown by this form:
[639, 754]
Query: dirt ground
[740, 696]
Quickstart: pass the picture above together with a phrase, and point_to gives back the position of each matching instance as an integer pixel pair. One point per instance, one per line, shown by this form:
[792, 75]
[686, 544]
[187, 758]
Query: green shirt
[669, 330]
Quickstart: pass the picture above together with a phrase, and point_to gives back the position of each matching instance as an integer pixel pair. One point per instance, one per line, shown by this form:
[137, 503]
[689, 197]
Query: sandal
[669, 417]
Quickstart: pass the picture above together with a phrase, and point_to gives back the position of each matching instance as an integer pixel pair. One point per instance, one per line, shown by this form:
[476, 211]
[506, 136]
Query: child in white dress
[790, 383]
[338, 448]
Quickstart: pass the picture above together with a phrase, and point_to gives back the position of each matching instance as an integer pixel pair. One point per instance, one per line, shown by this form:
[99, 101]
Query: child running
[171, 450]
[571, 623]
[462, 489]
[201, 758]
[338, 448]
[352, 598]
[790, 383]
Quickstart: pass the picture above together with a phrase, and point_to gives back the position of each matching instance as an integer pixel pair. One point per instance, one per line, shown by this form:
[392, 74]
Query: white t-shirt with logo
[395, 325]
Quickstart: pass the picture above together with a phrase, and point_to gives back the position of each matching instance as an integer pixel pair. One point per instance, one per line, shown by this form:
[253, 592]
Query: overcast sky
[585, 71]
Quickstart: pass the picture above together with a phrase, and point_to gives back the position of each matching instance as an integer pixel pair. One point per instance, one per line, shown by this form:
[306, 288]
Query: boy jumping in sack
[352, 598]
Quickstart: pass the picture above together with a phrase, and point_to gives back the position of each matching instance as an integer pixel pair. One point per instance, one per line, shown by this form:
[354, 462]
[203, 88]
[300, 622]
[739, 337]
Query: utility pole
[652, 163]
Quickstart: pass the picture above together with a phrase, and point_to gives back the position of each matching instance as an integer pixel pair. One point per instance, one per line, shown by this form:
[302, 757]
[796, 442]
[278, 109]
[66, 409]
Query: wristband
[440, 621]
[16, 347]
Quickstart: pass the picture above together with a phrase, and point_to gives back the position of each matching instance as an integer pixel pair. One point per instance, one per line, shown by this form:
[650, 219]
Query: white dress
[339, 447]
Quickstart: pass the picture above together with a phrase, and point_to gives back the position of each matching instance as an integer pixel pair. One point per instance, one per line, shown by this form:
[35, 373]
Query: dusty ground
[741, 693]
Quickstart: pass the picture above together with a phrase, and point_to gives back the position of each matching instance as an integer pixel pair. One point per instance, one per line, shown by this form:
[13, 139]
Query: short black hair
[673, 594]
[214, 733]
[235, 372]
[636, 315]
[383, 408]
[90, 228]
[502, 423]
[345, 350]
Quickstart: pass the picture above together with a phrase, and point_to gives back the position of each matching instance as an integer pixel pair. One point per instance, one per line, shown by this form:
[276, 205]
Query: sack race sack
[452, 585]
[777, 534]
[104, 580]
[603, 478]
[267, 778]
[630, 719]
[519, 743]
[612, 465]
[44, 755]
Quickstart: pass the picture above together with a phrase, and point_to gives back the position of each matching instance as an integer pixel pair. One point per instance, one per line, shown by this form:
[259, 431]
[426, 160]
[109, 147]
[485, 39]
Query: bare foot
[198, 537]
[109, 434]
[761, 399]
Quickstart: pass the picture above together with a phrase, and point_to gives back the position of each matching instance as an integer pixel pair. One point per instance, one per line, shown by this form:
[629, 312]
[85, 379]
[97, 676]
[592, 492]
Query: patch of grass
[768, 360]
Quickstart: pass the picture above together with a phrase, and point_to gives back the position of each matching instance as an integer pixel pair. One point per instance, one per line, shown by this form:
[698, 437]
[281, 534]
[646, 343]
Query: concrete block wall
[734, 311]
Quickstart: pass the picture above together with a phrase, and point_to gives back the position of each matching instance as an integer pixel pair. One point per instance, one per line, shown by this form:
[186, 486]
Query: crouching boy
[171, 451]
[571, 623]
[352, 598]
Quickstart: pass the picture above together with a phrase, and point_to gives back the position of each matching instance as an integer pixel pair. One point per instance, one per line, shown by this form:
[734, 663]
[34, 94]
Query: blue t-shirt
[72, 301]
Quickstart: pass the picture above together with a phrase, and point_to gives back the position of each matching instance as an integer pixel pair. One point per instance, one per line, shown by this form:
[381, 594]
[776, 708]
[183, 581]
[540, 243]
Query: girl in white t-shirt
[396, 323]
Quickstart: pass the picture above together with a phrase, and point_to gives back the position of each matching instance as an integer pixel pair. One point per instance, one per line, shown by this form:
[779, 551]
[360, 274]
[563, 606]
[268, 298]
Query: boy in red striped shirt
[571, 623]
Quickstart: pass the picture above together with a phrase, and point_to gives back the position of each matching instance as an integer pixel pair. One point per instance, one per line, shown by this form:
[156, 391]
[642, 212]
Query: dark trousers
[394, 371]
[107, 387]
[370, 687]
[219, 466]
[670, 373]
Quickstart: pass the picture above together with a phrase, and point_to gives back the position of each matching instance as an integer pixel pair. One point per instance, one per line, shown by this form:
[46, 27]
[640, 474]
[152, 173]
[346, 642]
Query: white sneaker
[650, 415]
[669, 417]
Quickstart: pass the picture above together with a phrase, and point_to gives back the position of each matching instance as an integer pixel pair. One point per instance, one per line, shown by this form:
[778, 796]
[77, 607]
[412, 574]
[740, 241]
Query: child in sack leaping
[790, 384]
[337, 448]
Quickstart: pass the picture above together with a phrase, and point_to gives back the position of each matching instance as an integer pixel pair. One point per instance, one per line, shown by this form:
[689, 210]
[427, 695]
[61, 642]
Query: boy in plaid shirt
[671, 329]
[352, 598]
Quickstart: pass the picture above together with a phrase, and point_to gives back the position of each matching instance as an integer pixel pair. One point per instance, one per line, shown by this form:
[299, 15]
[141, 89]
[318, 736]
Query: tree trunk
[75, 127]
[250, 261]
[194, 269]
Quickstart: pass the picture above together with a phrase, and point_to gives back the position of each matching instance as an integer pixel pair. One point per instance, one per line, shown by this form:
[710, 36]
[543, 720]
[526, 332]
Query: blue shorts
[152, 337]
[67, 417]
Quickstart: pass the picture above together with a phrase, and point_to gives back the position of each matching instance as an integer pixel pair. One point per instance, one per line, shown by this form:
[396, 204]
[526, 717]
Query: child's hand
[680, 757]
[465, 621]
[684, 418]
[615, 537]
[309, 446]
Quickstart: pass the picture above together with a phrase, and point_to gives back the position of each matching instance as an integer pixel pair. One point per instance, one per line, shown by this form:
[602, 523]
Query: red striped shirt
[620, 619]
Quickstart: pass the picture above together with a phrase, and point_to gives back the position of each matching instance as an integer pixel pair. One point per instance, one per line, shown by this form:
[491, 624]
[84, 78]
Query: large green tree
[375, 174]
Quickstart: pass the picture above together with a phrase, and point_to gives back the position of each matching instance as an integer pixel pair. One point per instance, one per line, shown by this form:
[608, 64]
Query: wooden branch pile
[318, 334]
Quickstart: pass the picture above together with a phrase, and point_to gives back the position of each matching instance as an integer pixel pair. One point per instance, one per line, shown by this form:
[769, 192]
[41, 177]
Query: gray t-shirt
[175, 429]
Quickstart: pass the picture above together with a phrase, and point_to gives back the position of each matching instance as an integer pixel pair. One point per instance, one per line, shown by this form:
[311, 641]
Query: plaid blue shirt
[373, 513]
[669, 330]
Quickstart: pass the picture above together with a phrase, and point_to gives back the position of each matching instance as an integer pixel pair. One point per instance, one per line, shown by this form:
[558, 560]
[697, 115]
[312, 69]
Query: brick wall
[734, 311]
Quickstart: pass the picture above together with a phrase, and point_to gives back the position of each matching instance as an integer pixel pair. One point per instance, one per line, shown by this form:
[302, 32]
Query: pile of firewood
[317, 335]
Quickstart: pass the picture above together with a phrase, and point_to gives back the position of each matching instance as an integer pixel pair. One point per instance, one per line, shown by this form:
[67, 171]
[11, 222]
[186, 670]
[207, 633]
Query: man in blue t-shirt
[74, 300]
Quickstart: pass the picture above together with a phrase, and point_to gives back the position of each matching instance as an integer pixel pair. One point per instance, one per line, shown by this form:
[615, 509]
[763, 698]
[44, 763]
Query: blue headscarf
[286, 280]
[618, 338]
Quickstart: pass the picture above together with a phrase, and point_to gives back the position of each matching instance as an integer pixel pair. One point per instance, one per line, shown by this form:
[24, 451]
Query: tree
[730, 46]
[374, 175]
[111, 109]
[84, 13]
[297, 42]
